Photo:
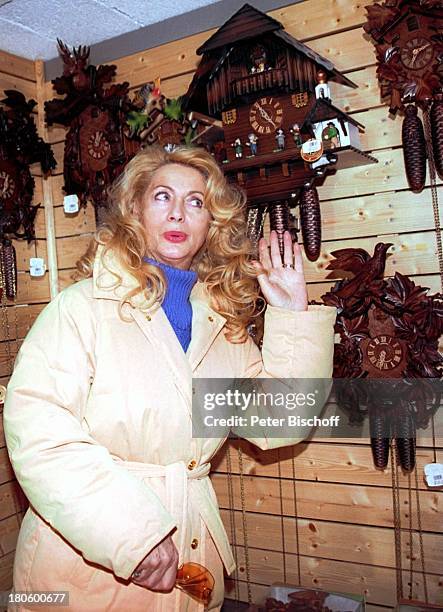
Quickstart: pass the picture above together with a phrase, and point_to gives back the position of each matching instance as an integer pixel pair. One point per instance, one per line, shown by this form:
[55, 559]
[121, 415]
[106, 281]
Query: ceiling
[29, 28]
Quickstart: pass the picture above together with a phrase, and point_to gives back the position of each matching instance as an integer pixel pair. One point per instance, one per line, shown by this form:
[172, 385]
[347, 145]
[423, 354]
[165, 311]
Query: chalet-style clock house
[281, 133]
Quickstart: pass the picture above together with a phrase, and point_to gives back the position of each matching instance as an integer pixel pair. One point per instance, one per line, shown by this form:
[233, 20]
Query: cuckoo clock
[409, 41]
[96, 147]
[389, 329]
[20, 146]
[281, 132]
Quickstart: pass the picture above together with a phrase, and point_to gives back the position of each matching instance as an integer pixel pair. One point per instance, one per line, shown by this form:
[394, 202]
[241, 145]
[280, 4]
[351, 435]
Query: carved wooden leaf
[378, 17]
[350, 260]
[387, 72]
[105, 74]
[402, 292]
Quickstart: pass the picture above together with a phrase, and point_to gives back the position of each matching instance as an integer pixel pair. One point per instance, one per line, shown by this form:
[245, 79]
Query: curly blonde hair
[223, 263]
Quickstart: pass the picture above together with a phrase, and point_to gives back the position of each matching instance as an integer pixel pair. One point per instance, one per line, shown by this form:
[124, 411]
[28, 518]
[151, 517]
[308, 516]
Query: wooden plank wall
[345, 525]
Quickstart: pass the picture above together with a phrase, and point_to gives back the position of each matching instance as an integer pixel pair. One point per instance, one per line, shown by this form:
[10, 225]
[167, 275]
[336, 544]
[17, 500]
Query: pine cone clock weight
[279, 221]
[414, 149]
[437, 133]
[310, 218]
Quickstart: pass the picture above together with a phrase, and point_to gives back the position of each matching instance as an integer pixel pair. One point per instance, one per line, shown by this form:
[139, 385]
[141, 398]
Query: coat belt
[179, 482]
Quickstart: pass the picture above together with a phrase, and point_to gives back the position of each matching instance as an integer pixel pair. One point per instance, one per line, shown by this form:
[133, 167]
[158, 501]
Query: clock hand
[381, 359]
[265, 115]
[416, 52]
[423, 47]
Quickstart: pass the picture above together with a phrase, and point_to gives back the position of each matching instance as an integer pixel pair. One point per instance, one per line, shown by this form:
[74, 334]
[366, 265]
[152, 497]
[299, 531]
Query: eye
[162, 196]
[196, 202]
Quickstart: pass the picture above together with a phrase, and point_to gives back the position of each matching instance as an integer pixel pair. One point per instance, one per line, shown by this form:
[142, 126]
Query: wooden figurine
[295, 131]
[238, 147]
[280, 138]
[330, 136]
[252, 143]
[261, 81]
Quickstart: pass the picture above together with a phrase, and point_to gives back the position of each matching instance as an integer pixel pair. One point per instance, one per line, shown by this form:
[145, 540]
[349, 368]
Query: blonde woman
[98, 410]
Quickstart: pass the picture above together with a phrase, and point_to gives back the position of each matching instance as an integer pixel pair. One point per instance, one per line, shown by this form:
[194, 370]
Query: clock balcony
[260, 81]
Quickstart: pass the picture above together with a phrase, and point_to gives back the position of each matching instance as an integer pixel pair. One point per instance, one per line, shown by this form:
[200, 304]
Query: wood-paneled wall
[345, 519]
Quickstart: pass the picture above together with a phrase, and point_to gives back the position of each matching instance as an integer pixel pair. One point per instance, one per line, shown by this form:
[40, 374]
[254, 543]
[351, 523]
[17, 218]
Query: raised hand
[282, 282]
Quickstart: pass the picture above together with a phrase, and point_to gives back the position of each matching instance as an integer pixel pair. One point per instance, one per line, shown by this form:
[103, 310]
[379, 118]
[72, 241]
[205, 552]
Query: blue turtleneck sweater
[176, 304]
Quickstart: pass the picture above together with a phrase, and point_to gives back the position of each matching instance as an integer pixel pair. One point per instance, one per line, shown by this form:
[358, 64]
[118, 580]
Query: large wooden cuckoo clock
[408, 35]
[389, 329]
[97, 147]
[281, 132]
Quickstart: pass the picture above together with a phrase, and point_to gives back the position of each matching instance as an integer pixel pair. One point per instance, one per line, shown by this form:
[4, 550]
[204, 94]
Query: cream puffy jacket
[98, 428]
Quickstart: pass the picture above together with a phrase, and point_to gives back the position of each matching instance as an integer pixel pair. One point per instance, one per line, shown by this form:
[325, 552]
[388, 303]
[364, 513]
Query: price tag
[37, 266]
[70, 203]
[434, 474]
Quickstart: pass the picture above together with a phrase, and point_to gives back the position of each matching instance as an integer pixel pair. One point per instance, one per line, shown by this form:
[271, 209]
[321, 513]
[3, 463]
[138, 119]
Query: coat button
[211, 319]
[194, 543]
[148, 317]
[192, 464]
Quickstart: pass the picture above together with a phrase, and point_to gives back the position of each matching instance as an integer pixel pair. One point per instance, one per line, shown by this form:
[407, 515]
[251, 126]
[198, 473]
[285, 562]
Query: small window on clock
[413, 23]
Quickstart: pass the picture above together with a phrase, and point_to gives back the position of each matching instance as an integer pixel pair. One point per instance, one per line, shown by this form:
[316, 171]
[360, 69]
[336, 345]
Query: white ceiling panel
[22, 41]
[29, 28]
[147, 12]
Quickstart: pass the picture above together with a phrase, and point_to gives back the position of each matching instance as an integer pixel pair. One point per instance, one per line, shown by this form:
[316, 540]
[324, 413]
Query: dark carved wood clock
[389, 329]
[266, 115]
[20, 146]
[96, 147]
[409, 41]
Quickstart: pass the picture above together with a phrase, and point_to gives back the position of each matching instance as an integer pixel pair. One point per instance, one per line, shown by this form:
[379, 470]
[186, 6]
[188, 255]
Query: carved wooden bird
[367, 269]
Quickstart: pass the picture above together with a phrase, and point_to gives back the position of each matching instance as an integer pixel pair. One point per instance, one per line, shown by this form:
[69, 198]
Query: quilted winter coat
[98, 429]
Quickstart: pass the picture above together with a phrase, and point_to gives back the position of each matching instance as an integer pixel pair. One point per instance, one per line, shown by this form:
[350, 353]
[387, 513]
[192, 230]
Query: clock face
[384, 352]
[417, 53]
[7, 185]
[97, 146]
[266, 115]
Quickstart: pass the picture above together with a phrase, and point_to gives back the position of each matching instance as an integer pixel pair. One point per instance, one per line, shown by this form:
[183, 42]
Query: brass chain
[297, 538]
[282, 517]
[397, 522]
[411, 556]
[245, 526]
[420, 536]
[232, 514]
[434, 192]
[5, 317]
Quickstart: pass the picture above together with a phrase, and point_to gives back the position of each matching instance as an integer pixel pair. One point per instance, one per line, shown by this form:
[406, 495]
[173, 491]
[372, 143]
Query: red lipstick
[175, 236]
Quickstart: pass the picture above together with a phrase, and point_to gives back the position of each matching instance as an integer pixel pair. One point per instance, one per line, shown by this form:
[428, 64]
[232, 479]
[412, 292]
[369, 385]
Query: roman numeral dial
[266, 115]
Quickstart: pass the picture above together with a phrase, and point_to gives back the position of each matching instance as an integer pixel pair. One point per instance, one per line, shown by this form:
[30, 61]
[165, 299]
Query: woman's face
[174, 216]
